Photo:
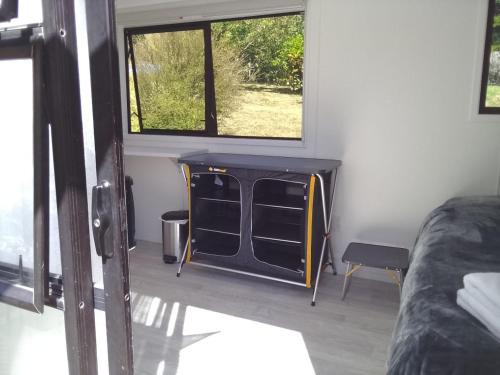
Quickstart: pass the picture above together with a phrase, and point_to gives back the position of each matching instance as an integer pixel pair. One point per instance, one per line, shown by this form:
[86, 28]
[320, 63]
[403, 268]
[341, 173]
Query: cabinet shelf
[288, 202]
[219, 225]
[232, 196]
[279, 254]
[281, 194]
[281, 232]
[215, 243]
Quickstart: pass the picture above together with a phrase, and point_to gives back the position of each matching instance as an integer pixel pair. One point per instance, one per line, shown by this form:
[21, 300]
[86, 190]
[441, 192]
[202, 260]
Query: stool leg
[347, 280]
[401, 280]
[183, 258]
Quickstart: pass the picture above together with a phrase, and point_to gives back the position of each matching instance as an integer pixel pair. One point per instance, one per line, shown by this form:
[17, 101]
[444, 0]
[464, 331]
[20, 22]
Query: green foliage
[495, 43]
[170, 75]
[494, 70]
[291, 60]
[171, 78]
[134, 116]
[228, 74]
[272, 48]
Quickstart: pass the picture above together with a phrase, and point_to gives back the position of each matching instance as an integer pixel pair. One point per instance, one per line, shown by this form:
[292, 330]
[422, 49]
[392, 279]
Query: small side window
[490, 83]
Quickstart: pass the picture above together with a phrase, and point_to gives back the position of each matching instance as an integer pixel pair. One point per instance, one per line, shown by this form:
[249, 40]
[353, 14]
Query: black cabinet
[258, 215]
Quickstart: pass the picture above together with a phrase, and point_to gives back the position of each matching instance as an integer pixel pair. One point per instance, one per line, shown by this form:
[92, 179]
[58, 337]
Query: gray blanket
[433, 335]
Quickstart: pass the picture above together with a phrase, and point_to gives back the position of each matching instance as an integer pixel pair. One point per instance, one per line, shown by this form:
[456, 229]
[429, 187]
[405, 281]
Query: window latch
[101, 219]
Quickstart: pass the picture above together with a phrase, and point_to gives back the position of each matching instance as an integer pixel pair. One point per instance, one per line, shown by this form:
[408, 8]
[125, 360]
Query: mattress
[433, 335]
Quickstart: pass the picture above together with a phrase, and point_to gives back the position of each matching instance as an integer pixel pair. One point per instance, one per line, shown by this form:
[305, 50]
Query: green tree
[291, 60]
[170, 70]
[264, 45]
[495, 46]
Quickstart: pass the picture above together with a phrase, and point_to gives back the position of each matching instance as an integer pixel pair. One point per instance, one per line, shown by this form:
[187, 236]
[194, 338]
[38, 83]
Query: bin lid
[175, 215]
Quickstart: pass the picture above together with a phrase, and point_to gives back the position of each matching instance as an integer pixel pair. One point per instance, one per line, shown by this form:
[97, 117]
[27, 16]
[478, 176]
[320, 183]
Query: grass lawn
[493, 96]
[264, 111]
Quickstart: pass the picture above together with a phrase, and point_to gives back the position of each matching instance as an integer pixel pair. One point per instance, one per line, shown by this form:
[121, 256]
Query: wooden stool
[377, 256]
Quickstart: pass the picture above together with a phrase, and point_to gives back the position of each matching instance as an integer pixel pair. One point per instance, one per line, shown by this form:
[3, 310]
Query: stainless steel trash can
[175, 232]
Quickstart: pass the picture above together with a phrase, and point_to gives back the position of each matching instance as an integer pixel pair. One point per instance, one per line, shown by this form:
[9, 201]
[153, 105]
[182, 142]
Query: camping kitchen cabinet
[262, 216]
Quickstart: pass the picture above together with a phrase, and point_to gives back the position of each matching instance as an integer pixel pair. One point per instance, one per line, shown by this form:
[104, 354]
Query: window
[490, 84]
[24, 151]
[230, 78]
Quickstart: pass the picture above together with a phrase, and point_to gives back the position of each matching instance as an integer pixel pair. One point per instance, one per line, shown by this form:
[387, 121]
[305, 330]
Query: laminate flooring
[216, 322]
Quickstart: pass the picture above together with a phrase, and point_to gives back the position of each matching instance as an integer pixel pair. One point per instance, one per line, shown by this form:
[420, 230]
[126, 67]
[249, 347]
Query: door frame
[108, 135]
[62, 109]
[64, 113]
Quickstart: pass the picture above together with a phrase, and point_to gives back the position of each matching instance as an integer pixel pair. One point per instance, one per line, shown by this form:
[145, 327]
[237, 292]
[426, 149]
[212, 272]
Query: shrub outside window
[229, 78]
[490, 84]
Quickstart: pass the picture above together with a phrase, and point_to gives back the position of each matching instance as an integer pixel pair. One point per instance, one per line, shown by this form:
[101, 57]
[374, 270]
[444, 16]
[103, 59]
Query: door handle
[101, 218]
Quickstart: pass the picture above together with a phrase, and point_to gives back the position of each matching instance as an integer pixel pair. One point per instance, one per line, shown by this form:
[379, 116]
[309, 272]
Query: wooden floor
[214, 322]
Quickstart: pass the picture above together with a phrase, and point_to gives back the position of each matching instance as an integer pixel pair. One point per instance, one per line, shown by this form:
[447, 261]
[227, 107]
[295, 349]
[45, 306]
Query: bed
[432, 334]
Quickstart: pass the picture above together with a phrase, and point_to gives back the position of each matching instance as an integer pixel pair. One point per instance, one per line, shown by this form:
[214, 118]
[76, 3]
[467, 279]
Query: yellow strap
[309, 231]
[188, 181]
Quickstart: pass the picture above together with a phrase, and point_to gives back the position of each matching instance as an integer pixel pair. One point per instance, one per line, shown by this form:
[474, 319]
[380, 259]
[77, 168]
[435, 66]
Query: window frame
[483, 109]
[210, 95]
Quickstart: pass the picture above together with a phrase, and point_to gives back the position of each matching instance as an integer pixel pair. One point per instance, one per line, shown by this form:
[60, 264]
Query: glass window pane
[170, 70]
[30, 342]
[493, 89]
[16, 153]
[258, 66]
[55, 267]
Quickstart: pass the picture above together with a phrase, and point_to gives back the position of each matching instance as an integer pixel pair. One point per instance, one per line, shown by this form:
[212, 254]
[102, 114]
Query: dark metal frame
[19, 287]
[108, 134]
[486, 63]
[61, 108]
[65, 116]
[210, 95]
[327, 236]
[210, 126]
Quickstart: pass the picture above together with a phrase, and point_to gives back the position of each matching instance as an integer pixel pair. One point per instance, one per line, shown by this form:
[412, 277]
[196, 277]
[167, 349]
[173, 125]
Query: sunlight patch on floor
[240, 346]
[190, 340]
[173, 319]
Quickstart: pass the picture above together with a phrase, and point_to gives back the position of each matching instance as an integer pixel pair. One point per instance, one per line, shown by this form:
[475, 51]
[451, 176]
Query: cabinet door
[278, 232]
[215, 214]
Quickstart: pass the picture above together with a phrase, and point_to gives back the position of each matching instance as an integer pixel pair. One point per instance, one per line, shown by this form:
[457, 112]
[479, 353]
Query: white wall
[158, 187]
[390, 90]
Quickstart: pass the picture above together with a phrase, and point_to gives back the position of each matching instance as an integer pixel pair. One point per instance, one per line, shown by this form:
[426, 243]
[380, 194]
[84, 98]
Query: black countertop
[269, 163]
